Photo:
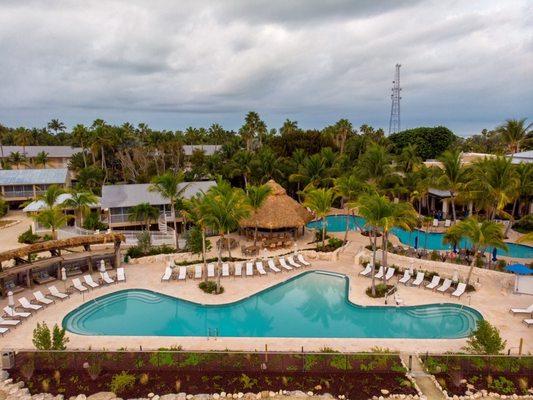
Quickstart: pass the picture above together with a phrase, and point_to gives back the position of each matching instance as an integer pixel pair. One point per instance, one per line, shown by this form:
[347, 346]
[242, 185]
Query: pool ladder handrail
[212, 332]
[391, 291]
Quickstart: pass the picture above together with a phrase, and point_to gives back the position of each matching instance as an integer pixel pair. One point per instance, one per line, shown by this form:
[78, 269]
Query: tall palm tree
[524, 172]
[344, 129]
[41, 158]
[81, 203]
[349, 188]
[223, 209]
[320, 202]
[257, 196]
[194, 210]
[514, 133]
[374, 165]
[143, 212]
[168, 186]
[481, 235]
[56, 126]
[81, 137]
[250, 129]
[289, 127]
[51, 195]
[16, 158]
[241, 164]
[52, 218]
[313, 171]
[23, 137]
[453, 177]
[100, 140]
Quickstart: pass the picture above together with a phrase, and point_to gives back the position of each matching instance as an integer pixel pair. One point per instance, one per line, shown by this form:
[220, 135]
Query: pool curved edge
[346, 278]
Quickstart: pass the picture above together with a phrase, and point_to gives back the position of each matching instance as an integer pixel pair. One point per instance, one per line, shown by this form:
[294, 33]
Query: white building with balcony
[20, 185]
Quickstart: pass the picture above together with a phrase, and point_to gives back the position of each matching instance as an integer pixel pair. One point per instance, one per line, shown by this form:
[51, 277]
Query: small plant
[57, 377]
[45, 385]
[121, 382]
[485, 339]
[210, 287]
[503, 385]
[177, 385]
[28, 237]
[247, 382]
[27, 369]
[43, 339]
[143, 379]
[95, 368]
[523, 384]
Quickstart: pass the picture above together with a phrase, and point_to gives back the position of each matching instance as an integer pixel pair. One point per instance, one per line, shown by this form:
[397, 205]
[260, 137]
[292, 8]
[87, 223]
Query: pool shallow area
[311, 305]
[430, 241]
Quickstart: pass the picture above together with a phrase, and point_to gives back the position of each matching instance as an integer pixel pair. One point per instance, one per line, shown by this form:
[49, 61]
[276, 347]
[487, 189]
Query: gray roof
[39, 204]
[208, 149]
[32, 151]
[131, 195]
[33, 176]
[440, 193]
[523, 156]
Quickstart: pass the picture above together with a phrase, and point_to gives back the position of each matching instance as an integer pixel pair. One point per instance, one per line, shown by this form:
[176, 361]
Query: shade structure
[519, 269]
[279, 211]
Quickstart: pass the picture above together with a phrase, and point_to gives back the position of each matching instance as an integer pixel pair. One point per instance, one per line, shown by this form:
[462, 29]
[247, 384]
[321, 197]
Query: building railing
[19, 193]
[119, 218]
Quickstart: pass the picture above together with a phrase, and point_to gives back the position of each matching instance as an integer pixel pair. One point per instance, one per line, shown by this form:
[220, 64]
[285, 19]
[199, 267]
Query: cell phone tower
[394, 122]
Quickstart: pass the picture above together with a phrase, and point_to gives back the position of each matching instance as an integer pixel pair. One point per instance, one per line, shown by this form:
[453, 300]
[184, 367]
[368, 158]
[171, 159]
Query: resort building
[117, 201]
[207, 149]
[522, 157]
[56, 156]
[18, 186]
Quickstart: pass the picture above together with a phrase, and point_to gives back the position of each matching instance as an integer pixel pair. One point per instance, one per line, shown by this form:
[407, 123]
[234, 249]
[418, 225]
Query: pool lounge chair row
[528, 310]
[91, 284]
[249, 268]
[406, 279]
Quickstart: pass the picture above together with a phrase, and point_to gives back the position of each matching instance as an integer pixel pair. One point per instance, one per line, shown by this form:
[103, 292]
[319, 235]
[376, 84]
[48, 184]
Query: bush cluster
[210, 287]
[28, 237]
[137, 251]
[381, 290]
[524, 225]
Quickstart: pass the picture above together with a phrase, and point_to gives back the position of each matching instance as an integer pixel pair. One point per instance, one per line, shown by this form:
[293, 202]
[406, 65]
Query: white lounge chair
[528, 322]
[528, 310]
[10, 312]
[56, 293]
[210, 270]
[238, 269]
[435, 223]
[445, 286]
[24, 302]
[406, 277]
[272, 265]
[3, 331]
[447, 223]
[9, 322]
[198, 271]
[78, 285]
[225, 269]
[260, 268]
[40, 297]
[390, 273]
[167, 275]
[293, 263]
[106, 278]
[434, 282]
[461, 289]
[284, 264]
[182, 273]
[302, 260]
[367, 270]
[121, 275]
[89, 281]
[419, 279]
[379, 275]
[249, 269]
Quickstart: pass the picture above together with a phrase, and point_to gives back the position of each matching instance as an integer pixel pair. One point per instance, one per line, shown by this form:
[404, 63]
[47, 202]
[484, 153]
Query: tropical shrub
[28, 237]
[138, 251]
[525, 224]
[210, 287]
[485, 339]
[3, 208]
[93, 223]
[121, 382]
[381, 290]
[193, 240]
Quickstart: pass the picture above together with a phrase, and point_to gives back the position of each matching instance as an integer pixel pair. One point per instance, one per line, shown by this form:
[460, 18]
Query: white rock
[222, 394]
[271, 394]
[156, 397]
[240, 395]
[189, 396]
[150, 395]
[216, 396]
[309, 393]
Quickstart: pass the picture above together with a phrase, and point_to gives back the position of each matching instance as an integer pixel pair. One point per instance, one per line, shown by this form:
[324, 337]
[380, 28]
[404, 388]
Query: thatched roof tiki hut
[279, 213]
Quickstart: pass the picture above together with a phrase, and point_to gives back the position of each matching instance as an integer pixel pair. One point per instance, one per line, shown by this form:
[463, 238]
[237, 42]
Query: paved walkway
[422, 379]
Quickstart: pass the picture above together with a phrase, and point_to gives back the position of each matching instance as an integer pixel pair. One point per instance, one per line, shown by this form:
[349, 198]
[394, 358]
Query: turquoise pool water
[314, 304]
[431, 241]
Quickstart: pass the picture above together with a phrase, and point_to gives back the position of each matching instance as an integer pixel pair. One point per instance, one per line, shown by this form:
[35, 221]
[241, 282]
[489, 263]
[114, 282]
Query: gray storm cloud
[465, 64]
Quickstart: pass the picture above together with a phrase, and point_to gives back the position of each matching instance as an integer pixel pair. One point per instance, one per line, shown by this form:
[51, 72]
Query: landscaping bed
[354, 376]
[499, 374]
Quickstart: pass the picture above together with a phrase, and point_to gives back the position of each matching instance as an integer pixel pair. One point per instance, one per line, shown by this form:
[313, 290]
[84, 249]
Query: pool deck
[492, 300]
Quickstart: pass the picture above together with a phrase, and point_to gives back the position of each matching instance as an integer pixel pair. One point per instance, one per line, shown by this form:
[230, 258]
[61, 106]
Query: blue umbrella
[416, 242]
[519, 269]
[494, 254]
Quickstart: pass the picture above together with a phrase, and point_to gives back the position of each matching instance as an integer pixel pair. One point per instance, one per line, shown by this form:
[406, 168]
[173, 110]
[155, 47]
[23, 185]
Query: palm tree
[289, 127]
[100, 140]
[81, 137]
[408, 160]
[168, 186]
[17, 158]
[41, 158]
[52, 218]
[56, 126]
[51, 195]
[242, 165]
[453, 177]
[81, 203]
[320, 202]
[481, 235]
[223, 209]
[194, 211]
[23, 137]
[349, 188]
[250, 129]
[257, 196]
[374, 164]
[313, 171]
[143, 212]
[524, 189]
[514, 133]
[344, 129]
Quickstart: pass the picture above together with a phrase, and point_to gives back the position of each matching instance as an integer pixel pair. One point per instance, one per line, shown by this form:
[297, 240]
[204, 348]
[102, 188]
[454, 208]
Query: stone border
[474, 395]
[15, 222]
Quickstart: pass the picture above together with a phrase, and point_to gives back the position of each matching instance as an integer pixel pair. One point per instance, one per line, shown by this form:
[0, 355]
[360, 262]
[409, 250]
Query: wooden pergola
[24, 266]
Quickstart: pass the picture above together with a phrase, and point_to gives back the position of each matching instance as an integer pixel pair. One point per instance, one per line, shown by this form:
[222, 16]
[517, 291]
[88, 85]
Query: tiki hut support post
[58, 272]
[90, 264]
[28, 280]
[117, 253]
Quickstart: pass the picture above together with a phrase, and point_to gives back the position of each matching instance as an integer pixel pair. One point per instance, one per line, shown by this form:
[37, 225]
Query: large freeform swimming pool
[313, 304]
[430, 240]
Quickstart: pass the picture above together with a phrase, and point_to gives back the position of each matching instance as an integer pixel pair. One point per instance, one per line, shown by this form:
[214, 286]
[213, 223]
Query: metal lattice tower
[394, 123]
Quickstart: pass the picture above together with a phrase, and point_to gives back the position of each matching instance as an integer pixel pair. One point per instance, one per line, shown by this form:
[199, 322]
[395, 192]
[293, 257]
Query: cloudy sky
[465, 64]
